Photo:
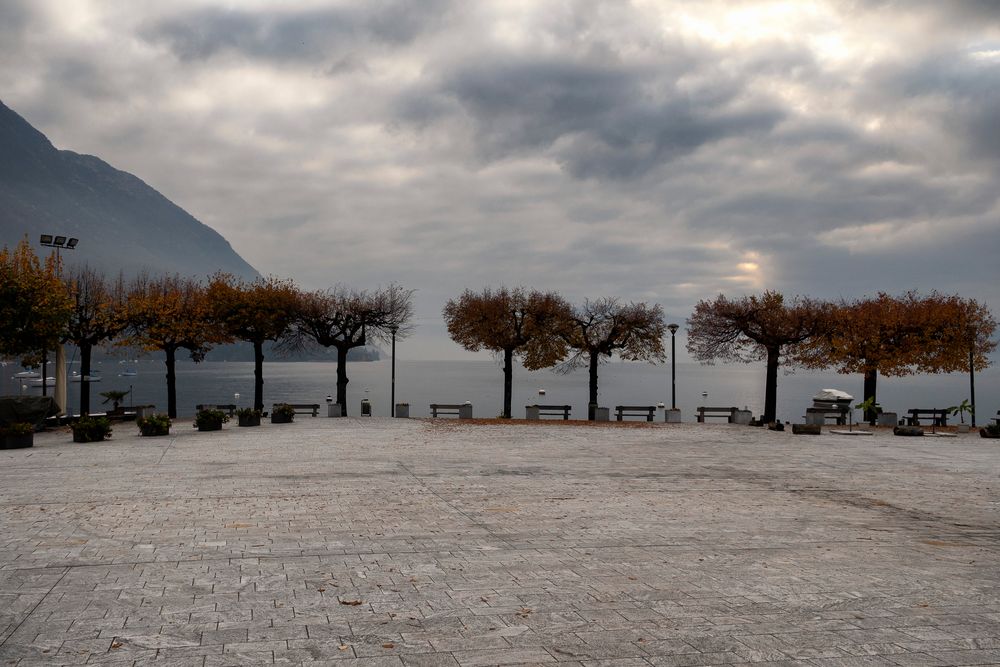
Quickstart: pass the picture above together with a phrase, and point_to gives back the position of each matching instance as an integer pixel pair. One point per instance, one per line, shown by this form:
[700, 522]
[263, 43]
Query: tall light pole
[59, 243]
[673, 366]
[972, 379]
[392, 393]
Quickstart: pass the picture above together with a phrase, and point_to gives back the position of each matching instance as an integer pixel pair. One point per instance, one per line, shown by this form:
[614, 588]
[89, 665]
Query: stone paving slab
[418, 543]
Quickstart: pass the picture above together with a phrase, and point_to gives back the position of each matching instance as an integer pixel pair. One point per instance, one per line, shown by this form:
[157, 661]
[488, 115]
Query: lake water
[481, 381]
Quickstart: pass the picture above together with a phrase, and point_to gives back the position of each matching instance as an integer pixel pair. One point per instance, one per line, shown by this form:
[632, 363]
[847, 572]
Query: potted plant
[248, 417]
[91, 429]
[869, 408]
[210, 420]
[282, 413]
[17, 435]
[960, 410]
[115, 397]
[155, 424]
[990, 431]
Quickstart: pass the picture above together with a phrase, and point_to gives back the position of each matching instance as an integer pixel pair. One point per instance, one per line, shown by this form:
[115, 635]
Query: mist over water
[421, 383]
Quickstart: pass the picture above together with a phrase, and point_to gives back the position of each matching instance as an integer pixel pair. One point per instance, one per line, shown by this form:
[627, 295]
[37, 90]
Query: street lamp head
[673, 328]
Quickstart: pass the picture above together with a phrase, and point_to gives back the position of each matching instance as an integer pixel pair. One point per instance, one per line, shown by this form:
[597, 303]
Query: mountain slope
[122, 222]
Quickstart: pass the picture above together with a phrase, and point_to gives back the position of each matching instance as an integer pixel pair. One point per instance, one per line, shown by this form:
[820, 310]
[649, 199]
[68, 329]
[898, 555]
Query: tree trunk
[508, 381]
[171, 362]
[258, 375]
[771, 386]
[85, 350]
[592, 403]
[871, 380]
[342, 378]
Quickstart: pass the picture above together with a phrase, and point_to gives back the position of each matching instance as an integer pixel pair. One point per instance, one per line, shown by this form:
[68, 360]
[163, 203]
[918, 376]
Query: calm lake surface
[423, 382]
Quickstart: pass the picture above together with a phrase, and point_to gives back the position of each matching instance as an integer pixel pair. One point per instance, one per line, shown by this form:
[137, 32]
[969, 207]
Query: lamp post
[392, 392]
[972, 380]
[673, 365]
[59, 243]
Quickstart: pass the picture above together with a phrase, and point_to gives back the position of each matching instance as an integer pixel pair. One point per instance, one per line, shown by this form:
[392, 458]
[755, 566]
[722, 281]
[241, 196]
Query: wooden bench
[938, 415]
[461, 410]
[228, 408]
[303, 408]
[647, 411]
[536, 411]
[705, 412]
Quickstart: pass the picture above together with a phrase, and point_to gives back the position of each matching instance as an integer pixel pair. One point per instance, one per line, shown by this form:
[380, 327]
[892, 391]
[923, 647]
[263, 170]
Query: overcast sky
[652, 150]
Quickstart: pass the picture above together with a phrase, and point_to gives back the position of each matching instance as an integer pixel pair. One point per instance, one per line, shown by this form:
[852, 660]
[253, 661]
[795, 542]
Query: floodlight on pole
[59, 243]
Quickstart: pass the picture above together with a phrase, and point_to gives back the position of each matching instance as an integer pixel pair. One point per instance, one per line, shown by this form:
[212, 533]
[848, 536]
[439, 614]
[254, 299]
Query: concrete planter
[602, 414]
[962, 428]
[281, 419]
[402, 410]
[888, 419]
[531, 412]
[465, 411]
[807, 429]
[742, 417]
[334, 410]
[153, 430]
[672, 416]
[17, 441]
[248, 421]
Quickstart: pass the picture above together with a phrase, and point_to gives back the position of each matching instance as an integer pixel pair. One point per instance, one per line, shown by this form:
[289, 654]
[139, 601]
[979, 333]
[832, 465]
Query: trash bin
[366, 408]
[531, 412]
[465, 411]
[602, 414]
[672, 416]
[742, 417]
[402, 410]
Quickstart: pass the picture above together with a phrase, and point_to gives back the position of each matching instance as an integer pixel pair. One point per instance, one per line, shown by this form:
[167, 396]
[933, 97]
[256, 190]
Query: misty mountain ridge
[122, 223]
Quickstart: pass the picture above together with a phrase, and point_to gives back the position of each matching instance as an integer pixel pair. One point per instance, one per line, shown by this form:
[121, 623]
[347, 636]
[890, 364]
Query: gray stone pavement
[380, 542]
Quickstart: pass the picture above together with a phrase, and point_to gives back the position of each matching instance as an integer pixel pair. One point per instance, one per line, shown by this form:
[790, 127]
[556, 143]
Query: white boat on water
[27, 375]
[50, 381]
[95, 376]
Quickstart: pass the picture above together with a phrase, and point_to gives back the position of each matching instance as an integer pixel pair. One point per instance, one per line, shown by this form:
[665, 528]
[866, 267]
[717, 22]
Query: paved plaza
[410, 542]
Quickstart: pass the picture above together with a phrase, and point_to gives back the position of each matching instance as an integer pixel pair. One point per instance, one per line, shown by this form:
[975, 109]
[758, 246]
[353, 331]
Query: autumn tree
[172, 313]
[899, 336]
[755, 328]
[98, 316]
[256, 312]
[34, 306]
[509, 323]
[345, 318]
[600, 328]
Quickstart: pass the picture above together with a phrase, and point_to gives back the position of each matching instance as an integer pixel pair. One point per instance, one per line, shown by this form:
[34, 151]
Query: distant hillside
[122, 223]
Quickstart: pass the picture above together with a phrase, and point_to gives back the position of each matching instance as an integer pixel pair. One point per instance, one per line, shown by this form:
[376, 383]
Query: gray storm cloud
[657, 151]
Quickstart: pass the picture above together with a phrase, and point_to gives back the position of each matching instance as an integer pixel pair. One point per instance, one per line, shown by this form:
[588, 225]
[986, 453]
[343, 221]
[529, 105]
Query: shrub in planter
[990, 431]
[91, 429]
[17, 435]
[210, 420]
[248, 417]
[282, 413]
[155, 424]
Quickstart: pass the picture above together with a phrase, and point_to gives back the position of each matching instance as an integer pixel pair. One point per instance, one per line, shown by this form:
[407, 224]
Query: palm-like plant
[961, 409]
[115, 397]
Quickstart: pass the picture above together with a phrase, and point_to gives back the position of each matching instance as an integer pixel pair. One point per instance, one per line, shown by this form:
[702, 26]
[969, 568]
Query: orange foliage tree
[602, 327]
[755, 328]
[257, 312]
[171, 313]
[34, 307]
[899, 336]
[509, 322]
[344, 318]
[98, 316]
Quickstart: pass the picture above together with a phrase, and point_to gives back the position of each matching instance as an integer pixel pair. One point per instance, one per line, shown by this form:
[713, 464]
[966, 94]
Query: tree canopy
[34, 306]
[345, 318]
[256, 312]
[509, 323]
[606, 326]
[755, 328]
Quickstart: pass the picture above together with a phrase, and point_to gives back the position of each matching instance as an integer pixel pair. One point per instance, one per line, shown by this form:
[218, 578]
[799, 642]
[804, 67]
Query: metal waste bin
[366, 408]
